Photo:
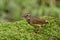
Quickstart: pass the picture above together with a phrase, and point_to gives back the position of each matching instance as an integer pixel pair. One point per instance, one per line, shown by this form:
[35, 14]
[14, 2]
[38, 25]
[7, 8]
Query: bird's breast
[28, 21]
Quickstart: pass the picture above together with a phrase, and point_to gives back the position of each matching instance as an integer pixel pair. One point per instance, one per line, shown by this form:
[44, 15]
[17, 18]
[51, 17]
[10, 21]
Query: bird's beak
[22, 17]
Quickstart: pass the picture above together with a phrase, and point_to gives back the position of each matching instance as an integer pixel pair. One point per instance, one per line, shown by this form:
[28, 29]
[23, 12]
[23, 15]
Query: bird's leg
[51, 38]
[38, 29]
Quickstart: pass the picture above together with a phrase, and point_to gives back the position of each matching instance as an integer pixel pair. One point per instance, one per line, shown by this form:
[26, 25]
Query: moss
[21, 30]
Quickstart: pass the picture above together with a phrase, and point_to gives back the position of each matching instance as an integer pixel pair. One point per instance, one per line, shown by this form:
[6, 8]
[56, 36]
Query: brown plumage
[33, 20]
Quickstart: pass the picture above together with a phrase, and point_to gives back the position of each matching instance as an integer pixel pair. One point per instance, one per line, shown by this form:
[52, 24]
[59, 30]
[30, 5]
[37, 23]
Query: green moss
[21, 30]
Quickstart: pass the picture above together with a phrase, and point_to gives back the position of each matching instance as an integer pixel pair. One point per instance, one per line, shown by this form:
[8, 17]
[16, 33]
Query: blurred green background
[12, 27]
[12, 10]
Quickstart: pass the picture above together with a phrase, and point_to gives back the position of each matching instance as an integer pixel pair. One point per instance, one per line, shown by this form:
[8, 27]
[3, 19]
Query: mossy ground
[21, 30]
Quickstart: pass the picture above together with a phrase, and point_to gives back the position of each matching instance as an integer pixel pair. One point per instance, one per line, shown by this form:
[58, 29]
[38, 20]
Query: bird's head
[27, 15]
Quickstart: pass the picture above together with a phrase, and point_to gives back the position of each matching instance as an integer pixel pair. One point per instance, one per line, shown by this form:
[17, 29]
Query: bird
[33, 20]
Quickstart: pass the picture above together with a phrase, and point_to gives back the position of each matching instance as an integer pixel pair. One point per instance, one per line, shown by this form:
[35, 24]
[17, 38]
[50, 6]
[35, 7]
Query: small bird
[33, 20]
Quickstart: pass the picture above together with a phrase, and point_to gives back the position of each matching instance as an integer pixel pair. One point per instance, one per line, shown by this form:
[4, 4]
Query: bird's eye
[26, 15]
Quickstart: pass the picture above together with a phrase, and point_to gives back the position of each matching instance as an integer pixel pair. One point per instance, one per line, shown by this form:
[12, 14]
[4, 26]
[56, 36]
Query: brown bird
[33, 20]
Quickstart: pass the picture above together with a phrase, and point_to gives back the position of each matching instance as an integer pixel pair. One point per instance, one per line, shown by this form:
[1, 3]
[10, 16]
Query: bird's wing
[36, 20]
